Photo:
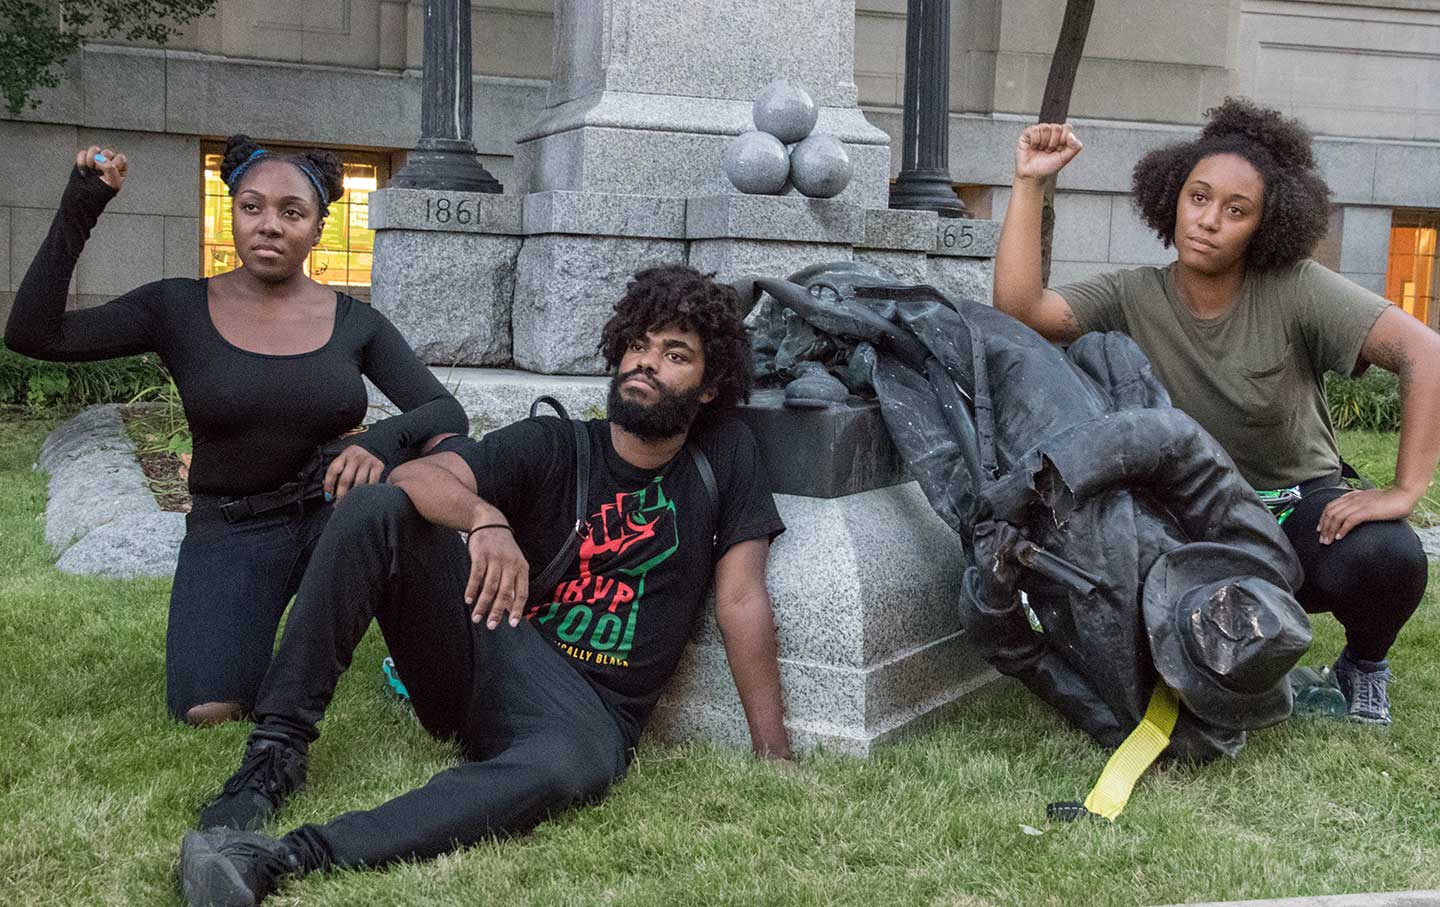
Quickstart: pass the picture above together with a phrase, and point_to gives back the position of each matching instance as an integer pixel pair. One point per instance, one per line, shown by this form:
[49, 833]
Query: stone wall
[1364, 69]
[150, 231]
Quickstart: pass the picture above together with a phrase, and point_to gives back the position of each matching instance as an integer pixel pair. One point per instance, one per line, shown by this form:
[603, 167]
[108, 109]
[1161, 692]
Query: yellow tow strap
[1134, 756]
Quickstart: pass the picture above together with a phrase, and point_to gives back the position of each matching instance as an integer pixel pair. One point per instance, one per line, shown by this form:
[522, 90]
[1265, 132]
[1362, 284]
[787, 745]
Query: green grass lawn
[99, 785]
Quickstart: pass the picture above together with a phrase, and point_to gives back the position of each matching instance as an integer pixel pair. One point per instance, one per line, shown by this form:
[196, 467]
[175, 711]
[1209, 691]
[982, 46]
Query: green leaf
[37, 38]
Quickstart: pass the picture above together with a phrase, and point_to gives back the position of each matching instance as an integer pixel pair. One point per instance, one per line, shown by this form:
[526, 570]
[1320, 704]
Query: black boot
[226, 868]
[271, 771]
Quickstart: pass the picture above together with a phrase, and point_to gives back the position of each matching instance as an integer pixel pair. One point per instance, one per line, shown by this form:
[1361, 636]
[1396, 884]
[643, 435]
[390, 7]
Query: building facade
[344, 74]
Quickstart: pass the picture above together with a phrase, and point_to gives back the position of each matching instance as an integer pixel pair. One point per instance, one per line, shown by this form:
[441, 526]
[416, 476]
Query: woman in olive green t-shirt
[1241, 329]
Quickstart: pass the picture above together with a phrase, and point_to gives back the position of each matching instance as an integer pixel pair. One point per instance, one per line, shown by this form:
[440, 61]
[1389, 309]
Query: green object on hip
[1280, 502]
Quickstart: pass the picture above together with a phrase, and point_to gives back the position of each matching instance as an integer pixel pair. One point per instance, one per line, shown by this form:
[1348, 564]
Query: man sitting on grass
[546, 690]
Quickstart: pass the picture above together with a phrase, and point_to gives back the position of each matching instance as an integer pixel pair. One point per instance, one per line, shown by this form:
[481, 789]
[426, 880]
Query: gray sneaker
[1365, 691]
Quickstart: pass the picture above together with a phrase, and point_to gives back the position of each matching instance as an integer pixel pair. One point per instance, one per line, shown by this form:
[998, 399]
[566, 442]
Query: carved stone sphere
[757, 163]
[784, 110]
[820, 166]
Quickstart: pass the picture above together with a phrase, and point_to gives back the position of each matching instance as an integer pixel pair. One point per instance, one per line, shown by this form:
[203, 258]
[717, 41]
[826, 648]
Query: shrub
[63, 385]
[1367, 403]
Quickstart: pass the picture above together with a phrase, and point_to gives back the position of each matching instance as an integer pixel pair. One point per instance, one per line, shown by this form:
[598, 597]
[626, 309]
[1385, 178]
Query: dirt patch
[163, 474]
[167, 473]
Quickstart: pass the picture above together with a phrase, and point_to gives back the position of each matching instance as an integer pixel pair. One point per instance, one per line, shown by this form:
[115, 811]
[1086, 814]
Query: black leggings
[538, 735]
[1372, 580]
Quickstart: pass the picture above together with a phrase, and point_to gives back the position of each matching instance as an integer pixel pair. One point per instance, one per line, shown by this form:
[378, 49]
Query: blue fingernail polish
[329, 496]
[101, 159]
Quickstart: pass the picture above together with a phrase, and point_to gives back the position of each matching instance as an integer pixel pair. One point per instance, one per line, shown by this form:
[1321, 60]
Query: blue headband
[304, 167]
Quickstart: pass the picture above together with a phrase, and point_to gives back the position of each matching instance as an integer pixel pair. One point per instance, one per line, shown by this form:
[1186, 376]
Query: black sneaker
[226, 868]
[271, 771]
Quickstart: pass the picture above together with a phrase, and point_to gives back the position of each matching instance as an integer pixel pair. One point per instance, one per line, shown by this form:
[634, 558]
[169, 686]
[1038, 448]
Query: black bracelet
[505, 526]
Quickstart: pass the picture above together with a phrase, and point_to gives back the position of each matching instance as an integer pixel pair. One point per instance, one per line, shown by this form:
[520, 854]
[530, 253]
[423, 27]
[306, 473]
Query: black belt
[239, 509]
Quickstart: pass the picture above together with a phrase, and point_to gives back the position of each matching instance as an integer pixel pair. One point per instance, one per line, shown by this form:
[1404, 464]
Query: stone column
[924, 180]
[445, 157]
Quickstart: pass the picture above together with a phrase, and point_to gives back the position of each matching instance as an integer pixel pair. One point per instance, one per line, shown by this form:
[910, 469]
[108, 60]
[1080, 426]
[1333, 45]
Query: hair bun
[1284, 137]
[332, 175]
[238, 149]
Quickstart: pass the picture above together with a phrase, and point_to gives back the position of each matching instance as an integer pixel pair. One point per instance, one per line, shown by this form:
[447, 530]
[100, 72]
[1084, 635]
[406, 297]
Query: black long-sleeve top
[256, 419]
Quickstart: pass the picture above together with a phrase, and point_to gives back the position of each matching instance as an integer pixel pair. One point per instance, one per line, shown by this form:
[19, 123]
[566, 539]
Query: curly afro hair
[1296, 207]
[676, 296]
[323, 165]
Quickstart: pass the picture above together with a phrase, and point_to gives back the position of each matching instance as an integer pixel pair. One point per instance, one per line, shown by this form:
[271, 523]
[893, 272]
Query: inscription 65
[956, 236]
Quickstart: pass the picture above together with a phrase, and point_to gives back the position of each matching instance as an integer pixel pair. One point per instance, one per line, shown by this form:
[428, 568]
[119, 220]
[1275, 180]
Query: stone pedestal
[444, 271]
[863, 584]
[962, 262]
[581, 249]
[870, 647]
[772, 236]
[644, 101]
[494, 397]
[898, 241]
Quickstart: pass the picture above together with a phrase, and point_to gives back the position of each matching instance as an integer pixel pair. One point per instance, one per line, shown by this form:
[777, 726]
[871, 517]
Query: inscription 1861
[449, 211]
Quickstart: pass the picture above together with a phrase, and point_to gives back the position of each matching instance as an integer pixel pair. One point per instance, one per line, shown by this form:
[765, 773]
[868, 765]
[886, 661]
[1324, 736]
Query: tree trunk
[1055, 106]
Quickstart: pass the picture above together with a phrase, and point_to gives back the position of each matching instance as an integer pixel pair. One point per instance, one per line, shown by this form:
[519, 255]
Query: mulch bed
[163, 471]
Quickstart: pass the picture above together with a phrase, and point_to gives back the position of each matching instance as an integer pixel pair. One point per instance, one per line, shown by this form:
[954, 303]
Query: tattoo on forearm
[1069, 327]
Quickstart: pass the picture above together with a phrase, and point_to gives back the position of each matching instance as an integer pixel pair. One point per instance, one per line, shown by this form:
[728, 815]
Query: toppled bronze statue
[1112, 544]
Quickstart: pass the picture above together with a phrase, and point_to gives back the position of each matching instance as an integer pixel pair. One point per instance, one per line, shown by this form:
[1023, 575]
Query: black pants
[232, 583]
[539, 737]
[1372, 579]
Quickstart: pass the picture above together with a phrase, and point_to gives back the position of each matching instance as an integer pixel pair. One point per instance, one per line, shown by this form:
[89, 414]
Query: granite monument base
[444, 271]
[870, 643]
[962, 261]
[734, 236]
[565, 291]
[581, 248]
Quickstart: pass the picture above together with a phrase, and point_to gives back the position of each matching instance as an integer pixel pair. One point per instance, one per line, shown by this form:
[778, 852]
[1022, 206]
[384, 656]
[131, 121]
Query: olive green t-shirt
[1254, 376]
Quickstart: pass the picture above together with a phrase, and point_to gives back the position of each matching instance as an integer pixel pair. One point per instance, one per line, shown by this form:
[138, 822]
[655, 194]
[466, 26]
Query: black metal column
[924, 181]
[445, 157]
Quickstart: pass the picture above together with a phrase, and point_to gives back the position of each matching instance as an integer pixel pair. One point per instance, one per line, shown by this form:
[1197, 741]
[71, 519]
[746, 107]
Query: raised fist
[111, 166]
[1044, 149]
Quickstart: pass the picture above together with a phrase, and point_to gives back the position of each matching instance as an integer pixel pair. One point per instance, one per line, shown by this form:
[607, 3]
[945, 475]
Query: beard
[667, 417]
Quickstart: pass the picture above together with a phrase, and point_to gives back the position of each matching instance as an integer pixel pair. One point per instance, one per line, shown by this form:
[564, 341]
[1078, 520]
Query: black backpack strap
[541, 585]
[550, 402]
[707, 474]
[707, 478]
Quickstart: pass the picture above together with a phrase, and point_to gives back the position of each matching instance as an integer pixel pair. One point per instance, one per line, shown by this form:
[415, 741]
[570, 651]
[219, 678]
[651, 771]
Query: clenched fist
[111, 165]
[1044, 149]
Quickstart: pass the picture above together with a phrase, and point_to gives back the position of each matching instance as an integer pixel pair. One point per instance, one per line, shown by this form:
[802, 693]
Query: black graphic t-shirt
[624, 610]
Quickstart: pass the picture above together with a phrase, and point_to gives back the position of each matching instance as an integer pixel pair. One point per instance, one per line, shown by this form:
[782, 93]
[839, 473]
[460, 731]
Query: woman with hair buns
[270, 367]
[1241, 329]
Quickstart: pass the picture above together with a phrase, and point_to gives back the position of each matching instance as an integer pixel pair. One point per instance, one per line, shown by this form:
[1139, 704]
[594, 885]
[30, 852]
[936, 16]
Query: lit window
[1410, 278]
[347, 244]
